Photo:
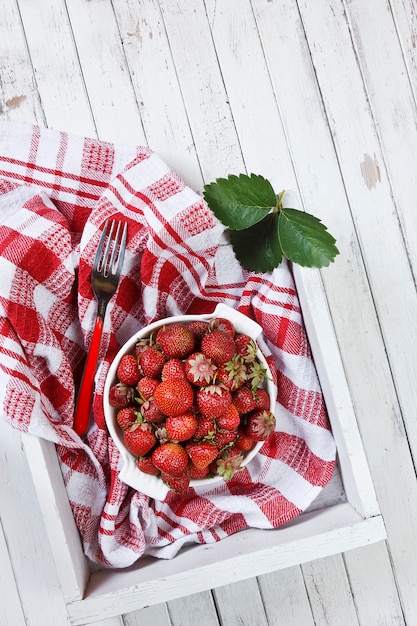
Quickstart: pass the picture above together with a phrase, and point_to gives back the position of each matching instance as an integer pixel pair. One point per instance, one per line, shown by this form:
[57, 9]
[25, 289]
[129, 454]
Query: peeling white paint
[370, 171]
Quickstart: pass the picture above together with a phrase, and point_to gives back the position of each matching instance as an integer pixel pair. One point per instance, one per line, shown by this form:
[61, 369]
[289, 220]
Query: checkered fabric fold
[56, 191]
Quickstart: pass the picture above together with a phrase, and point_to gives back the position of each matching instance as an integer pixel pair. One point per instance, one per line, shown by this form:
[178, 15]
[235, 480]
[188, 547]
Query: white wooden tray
[345, 516]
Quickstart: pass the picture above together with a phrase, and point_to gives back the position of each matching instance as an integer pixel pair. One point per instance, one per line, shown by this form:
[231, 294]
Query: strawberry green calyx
[229, 463]
[260, 424]
[256, 374]
[233, 374]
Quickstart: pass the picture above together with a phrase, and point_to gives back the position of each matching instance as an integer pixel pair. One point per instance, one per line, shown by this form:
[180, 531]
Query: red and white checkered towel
[56, 190]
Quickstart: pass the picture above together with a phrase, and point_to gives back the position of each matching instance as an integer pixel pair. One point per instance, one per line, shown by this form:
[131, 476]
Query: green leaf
[304, 239]
[240, 201]
[258, 248]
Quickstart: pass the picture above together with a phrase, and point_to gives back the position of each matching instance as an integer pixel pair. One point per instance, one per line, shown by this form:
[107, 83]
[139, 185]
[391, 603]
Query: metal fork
[105, 277]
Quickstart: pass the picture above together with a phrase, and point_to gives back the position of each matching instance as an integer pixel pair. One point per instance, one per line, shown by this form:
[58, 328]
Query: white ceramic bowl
[153, 486]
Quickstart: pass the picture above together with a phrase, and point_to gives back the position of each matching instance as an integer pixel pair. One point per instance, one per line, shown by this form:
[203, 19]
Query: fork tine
[121, 250]
[105, 265]
[99, 252]
[111, 260]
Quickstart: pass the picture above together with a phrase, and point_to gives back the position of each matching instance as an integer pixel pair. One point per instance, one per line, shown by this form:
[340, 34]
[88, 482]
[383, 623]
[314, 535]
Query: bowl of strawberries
[189, 401]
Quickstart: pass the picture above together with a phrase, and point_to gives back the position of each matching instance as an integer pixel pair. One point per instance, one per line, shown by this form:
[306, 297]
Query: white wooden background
[319, 96]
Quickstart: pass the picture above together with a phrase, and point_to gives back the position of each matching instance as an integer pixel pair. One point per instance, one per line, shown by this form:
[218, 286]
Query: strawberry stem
[278, 205]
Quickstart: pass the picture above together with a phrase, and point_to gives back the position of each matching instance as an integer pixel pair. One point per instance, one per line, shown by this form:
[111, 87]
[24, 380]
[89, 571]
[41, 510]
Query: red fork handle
[85, 396]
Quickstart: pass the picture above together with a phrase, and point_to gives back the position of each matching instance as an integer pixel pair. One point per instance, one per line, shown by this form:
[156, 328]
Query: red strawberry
[262, 399]
[229, 463]
[152, 361]
[246, 347]
[201, 453]
[213, 400]
[260, 424]
[219, 346]
[243, 400]
[221, 323]
[141, 345]
[173, 368]
[199, 328]
[199, 369]
[230, 419]
[205, 427]
[146, 387]
[120, 395]
[170, 457]
[181, 427]
[176, 340]
[151, 412]
[144, 463]
[224, 438]
[126, 417]
[233, 373]
[197, 473]
[178, 483]
[127, 370]
[243, 441]
[139, 438]
[174, 396]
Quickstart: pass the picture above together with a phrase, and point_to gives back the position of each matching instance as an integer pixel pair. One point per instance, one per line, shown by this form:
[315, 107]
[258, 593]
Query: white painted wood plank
[57, 71]
[375, 596]
[249, 91]
[405, 15]
[202, 89]
[240, 604]
[10, 607]
[62, 532]
[19, 98]
[285, 598]
[156, 85]
[329, 592]
[111, 621]
[357, 479]
[196, 609]
[27, 542]
[105, 72]
[156, 615]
